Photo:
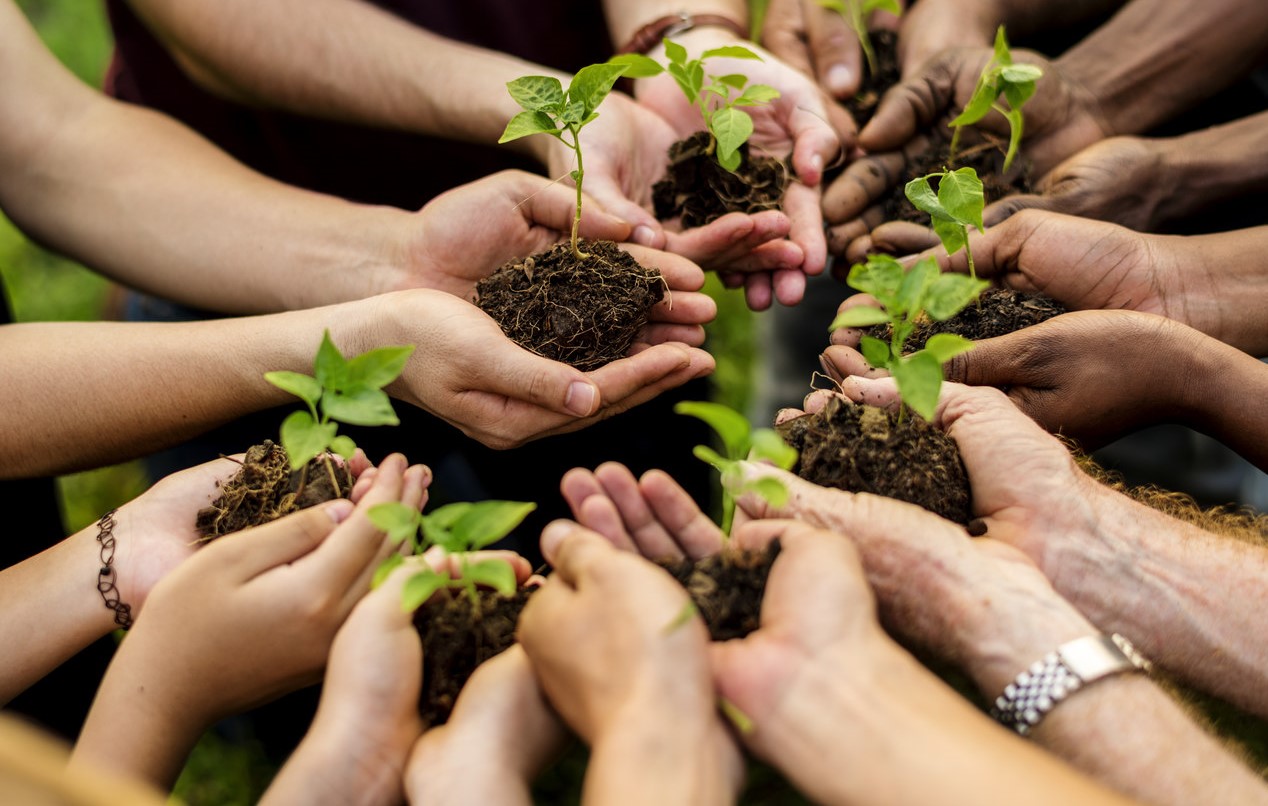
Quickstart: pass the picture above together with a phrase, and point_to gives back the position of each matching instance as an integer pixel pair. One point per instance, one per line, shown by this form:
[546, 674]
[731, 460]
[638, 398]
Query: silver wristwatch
[1060, 673]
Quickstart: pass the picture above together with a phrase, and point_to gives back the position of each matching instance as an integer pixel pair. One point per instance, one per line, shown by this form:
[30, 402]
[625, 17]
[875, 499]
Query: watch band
[1060, 673]
[651, 34]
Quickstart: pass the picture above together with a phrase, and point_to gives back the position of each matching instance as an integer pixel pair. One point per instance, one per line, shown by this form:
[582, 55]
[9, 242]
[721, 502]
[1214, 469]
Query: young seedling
[1000, 76]
[855, 14]
[954, 208]
[739, 441]
[341, 390]
[730, 126]
[549, 109]
[458, 529]
[906, 295]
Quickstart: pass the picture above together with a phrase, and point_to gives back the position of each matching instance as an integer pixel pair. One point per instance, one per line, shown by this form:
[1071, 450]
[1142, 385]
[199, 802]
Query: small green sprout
[457, 529]
[906, 295]
[739, 440]
[1000, 76]
[954, 208]
[549, 109]
[855, 14]
[344, 390]
[730, 126]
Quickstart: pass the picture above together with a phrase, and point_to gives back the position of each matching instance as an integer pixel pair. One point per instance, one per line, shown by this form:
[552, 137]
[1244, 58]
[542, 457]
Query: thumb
[521, 375]
[604, 189]
[991, 362]
[1005, 208]
[261, 548]
[555, 205]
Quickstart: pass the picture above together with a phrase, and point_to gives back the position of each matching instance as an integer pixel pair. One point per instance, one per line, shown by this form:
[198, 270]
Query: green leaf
[1017, 95]
[733, 80]
[305, 387]
[945, 346]
[377, 368]
[875, 352]
[861, 316]
[592, 84]
[343, 446]
[695, 75]
[1016, 127]
[329, 368]
[911, 294]
[526, 123]
[711, 457]
[773, 490]
[729, 424]
[920, 193]
[637, 65]
[443, 518]
[676, 53]
[495, 574]
[891, 6]
[1021, 73]
[949, 293]
[421, 587]
[756, 95]
[919, 378]
[881, 276]
[769, 446]
[537, 93]
[983, 96]
[730, 52]
[960, 194]
[359, 407]
[1003, 55]
[729, 161]
[385, 570]
[303, 438]
[951, 233]
[488, 522]
[397, 520]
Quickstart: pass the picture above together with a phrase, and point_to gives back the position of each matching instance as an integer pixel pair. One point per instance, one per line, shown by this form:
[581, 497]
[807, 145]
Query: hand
[932, 26]
[468, 373]
[652, 516]
[1060, 374]
[501, 734]
[819, 42]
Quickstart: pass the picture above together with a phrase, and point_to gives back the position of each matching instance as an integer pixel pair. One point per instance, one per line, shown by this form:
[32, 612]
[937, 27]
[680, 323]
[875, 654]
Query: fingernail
[581, 398]
[554, 534]
[339, 510]
[644, 235]
[839, 79]
[816, 162]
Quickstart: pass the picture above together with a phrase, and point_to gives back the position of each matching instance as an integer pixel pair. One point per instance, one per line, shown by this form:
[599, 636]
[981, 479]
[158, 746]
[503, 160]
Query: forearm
[1220, 286]
[323, 770]
[1025, 17]
[91, 394]
[52, 610]
[1156, 58]
[1190, 600]
[626, 17]
[1211, 165]
[343, 60]
[1228, 400]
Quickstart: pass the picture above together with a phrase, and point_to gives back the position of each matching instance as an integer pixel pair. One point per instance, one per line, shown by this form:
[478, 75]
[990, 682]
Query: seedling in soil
[341, 390]
[549, 109]
[1000, 77]
[458, 529]
[740, 441]
[730, 126]
[855, 14]
[906, 296]
[954, 208]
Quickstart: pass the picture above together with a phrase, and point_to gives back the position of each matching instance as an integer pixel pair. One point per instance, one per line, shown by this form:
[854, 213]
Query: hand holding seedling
[597, 636]
[821, 42]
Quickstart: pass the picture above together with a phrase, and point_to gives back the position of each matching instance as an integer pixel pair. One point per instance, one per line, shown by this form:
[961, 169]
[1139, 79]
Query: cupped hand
[501, 734]
[819, 42]
[467, 372]
[652, 516]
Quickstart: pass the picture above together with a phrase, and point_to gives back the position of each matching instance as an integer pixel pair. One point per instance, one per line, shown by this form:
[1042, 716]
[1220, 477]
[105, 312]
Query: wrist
[328, 768]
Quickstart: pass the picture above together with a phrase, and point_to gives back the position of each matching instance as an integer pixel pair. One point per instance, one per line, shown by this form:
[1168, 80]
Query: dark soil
[864, 449]
[266, 489]
[699, 190]
[874, 86]
[986, 157]
[584, 313]
[999, 311]
[727, 590]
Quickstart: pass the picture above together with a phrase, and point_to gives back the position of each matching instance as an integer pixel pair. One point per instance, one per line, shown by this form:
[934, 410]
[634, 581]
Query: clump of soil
[699, 190]
[998, 312]
[727, 590]
[585, 313]
[266, 489]
[986, 157]
[864, 449]
[874, 85]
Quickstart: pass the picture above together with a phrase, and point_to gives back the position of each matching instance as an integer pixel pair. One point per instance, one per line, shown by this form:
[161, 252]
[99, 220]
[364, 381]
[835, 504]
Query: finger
[909, 107]
[731, 279]
[789, 286]
[599, 513]
[834, 49]
[858, 249]
[359, 463]
[651, 538]
[992, 362]
[1000, 211]
[879, 392]
[253, 551]
[452, 564]
[784, 415]
[757, 291]
[339, 564]
[903, 238]
[574, 551]
[732, 239]
[685, 308]
[689, 335]
[529, 378]
[816, 400]
[802, 204]
[641, 226]
[815, 143]
[552, 205]
[680, 273]
[840, 239]
[850, 336]
[383, 604]
[861, 184]
[782, 35]
[843, 362]
[694, 532]
[632, 381]
[363, 483]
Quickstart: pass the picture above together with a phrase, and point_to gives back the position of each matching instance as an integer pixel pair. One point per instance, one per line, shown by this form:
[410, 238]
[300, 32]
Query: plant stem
[955, 145]
[728, 513]
[581, 173]
[865, 40]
